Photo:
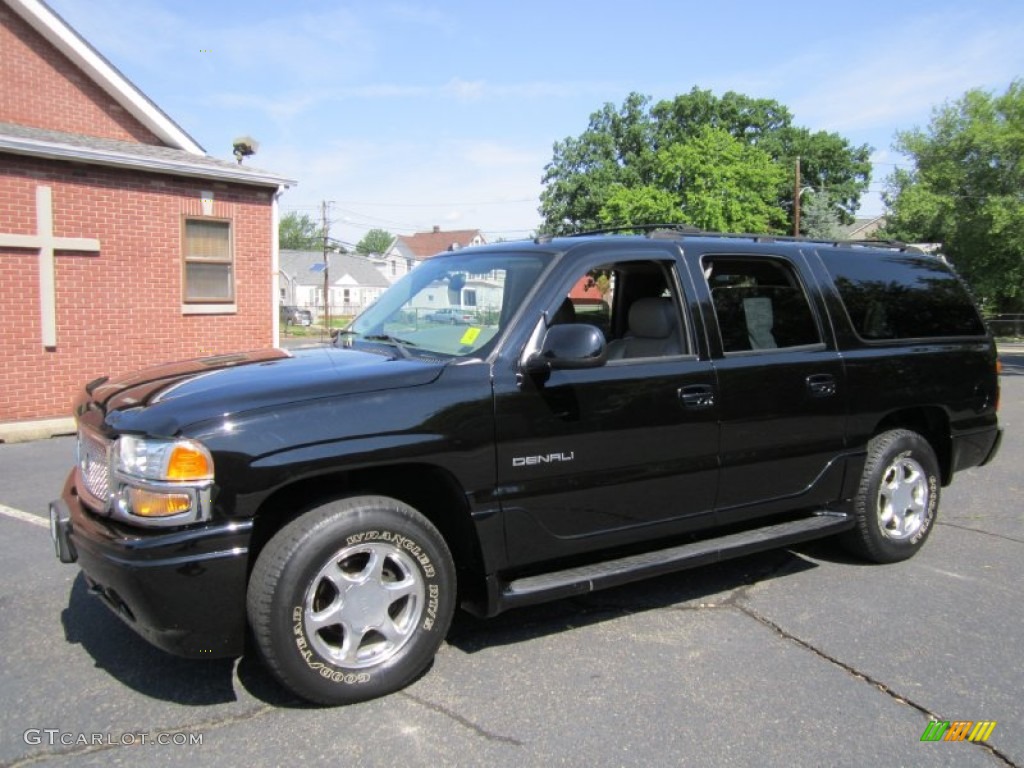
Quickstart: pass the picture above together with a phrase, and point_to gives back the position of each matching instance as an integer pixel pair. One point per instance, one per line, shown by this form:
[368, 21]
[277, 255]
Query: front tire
[898, 497]
[352, 600]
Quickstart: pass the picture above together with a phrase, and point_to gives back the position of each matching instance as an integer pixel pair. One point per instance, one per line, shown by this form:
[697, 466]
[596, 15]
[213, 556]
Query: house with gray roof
[353, 282]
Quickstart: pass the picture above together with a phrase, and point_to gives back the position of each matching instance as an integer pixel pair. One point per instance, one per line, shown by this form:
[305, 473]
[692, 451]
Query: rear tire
[898, 497]
[352, 600]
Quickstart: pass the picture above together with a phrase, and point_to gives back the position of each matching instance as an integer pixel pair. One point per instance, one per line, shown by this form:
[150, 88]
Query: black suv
[619, 406]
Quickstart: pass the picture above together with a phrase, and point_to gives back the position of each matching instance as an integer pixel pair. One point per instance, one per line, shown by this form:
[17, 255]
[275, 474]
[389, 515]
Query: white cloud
[497, 155]
[464, 90]
[410, 186]
[430, 19]
[898, 82]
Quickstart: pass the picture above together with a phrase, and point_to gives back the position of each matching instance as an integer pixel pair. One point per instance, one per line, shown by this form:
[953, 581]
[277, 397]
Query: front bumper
[182, 590]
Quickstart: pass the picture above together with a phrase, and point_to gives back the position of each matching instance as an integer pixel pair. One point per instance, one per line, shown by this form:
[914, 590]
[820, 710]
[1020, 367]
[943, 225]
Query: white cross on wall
[47, 244]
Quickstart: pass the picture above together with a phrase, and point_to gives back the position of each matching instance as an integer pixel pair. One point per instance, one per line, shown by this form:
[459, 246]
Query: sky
[407, 115]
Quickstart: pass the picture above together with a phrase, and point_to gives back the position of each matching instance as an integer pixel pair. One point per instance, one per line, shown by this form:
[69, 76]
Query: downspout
[275, 267]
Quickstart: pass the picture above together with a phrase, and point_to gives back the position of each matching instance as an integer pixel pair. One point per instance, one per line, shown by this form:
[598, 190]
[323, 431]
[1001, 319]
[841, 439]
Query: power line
[440, 205]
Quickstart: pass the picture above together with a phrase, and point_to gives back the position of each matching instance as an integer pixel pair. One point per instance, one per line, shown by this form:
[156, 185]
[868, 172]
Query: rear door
[782, 394]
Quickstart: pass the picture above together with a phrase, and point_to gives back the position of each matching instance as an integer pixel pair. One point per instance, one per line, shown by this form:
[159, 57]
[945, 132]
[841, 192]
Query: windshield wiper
[400, 344]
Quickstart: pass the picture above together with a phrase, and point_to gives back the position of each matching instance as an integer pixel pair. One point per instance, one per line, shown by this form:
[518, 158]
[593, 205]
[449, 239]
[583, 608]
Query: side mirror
[570, 346]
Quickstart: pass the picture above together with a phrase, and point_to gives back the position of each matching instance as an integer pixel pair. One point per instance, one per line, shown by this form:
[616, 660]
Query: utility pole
[796, 200]
[325, 224]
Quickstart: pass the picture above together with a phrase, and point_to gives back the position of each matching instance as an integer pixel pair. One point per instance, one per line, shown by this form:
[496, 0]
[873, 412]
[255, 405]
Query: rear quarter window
[902, 296]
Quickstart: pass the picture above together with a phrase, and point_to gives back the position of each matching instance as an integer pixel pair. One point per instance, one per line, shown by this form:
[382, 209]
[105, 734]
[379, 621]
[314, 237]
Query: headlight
[161, 482]
[164, 460]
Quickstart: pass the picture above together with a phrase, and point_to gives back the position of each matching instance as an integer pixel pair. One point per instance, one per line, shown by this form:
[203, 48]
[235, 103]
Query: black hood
[166, 399]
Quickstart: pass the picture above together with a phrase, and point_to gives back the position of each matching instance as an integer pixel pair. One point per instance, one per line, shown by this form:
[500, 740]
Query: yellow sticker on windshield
[469, 336]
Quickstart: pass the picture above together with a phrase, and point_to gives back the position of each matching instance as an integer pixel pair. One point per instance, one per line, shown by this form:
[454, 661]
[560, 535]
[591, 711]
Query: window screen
[209, 266]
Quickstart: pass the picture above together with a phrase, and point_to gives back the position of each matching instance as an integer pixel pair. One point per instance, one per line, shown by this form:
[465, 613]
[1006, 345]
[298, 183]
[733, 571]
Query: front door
[603, 457]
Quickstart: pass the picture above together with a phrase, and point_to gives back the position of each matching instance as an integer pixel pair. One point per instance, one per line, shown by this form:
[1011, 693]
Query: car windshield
[452, 305]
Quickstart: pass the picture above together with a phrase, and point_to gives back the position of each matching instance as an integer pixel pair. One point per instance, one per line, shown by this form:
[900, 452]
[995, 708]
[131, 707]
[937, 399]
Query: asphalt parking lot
[801, 657]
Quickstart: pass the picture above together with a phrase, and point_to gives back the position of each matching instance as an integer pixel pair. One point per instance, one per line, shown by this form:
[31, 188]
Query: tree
[966, 191]
[299, 233]
[819, 217]
[606, 169]
[724, 184]
[710, 180]
[375, 241]
[615, 151]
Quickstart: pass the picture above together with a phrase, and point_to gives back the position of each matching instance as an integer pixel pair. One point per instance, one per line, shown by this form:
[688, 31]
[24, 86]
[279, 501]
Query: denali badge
[529, 461]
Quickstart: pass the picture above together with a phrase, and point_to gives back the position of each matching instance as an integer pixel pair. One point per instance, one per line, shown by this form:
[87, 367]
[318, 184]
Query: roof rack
[667, 231]
[678, 229]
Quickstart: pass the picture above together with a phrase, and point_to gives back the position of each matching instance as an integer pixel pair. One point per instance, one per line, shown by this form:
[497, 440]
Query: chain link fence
[1007, 326]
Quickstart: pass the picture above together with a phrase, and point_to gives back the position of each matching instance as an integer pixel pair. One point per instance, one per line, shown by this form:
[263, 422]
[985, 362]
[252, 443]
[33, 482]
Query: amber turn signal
[187, 462]
[149, 504]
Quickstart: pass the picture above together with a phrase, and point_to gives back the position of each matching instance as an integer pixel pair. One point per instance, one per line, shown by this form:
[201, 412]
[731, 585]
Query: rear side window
[760, 304]
[902, 296]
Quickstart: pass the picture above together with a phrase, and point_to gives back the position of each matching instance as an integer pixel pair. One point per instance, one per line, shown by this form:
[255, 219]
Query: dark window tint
[760, 304]
[902, 297]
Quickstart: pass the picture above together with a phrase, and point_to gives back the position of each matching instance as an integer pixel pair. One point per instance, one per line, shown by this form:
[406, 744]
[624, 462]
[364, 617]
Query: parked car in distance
[451, 316]
[295, 316]
[719, 395]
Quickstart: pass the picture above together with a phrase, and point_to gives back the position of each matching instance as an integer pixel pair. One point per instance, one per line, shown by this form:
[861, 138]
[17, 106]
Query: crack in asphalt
[856, 673]
[978, 530]
[464, 722]
[201, 728]
[735, 599]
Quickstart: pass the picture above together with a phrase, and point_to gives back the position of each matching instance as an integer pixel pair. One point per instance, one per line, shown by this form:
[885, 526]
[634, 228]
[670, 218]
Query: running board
[610, 573]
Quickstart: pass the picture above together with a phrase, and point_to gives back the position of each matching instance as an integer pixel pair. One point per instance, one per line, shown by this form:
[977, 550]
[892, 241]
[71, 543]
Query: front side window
[208, 262]
[449, 306]
[636, 306]
[760, 304]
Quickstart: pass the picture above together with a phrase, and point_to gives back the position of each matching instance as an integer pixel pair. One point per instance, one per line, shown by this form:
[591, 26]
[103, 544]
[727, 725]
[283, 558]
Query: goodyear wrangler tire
[898, 498]
[352, 600]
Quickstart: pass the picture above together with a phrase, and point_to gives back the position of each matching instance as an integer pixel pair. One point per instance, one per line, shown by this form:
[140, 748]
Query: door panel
[603, 457]
[783, 422]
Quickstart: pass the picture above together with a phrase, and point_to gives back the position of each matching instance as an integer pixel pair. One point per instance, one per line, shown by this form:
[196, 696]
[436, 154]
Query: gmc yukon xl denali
[616, 407]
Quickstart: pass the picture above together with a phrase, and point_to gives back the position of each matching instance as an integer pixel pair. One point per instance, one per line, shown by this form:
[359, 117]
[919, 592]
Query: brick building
[122, 243]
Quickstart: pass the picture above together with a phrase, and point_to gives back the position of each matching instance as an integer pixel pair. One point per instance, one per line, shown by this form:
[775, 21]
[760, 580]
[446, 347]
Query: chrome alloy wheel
[902, 499]
[364, 605]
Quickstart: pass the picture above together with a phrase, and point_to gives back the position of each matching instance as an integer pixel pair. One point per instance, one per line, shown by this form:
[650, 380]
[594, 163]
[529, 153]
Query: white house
[406, 251]
[353, 282]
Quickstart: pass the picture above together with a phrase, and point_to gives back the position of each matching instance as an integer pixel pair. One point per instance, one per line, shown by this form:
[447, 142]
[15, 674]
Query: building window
[209, 265]
[394, 268]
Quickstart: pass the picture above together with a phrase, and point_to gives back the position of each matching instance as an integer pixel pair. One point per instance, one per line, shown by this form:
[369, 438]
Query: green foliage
[724, 184]
[640, 205]
[624, 168]
[966, 191]
[375, 241]
[299, 233]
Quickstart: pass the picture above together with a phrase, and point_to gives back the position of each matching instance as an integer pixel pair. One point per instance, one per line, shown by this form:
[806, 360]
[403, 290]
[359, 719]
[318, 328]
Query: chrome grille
[94, 466]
